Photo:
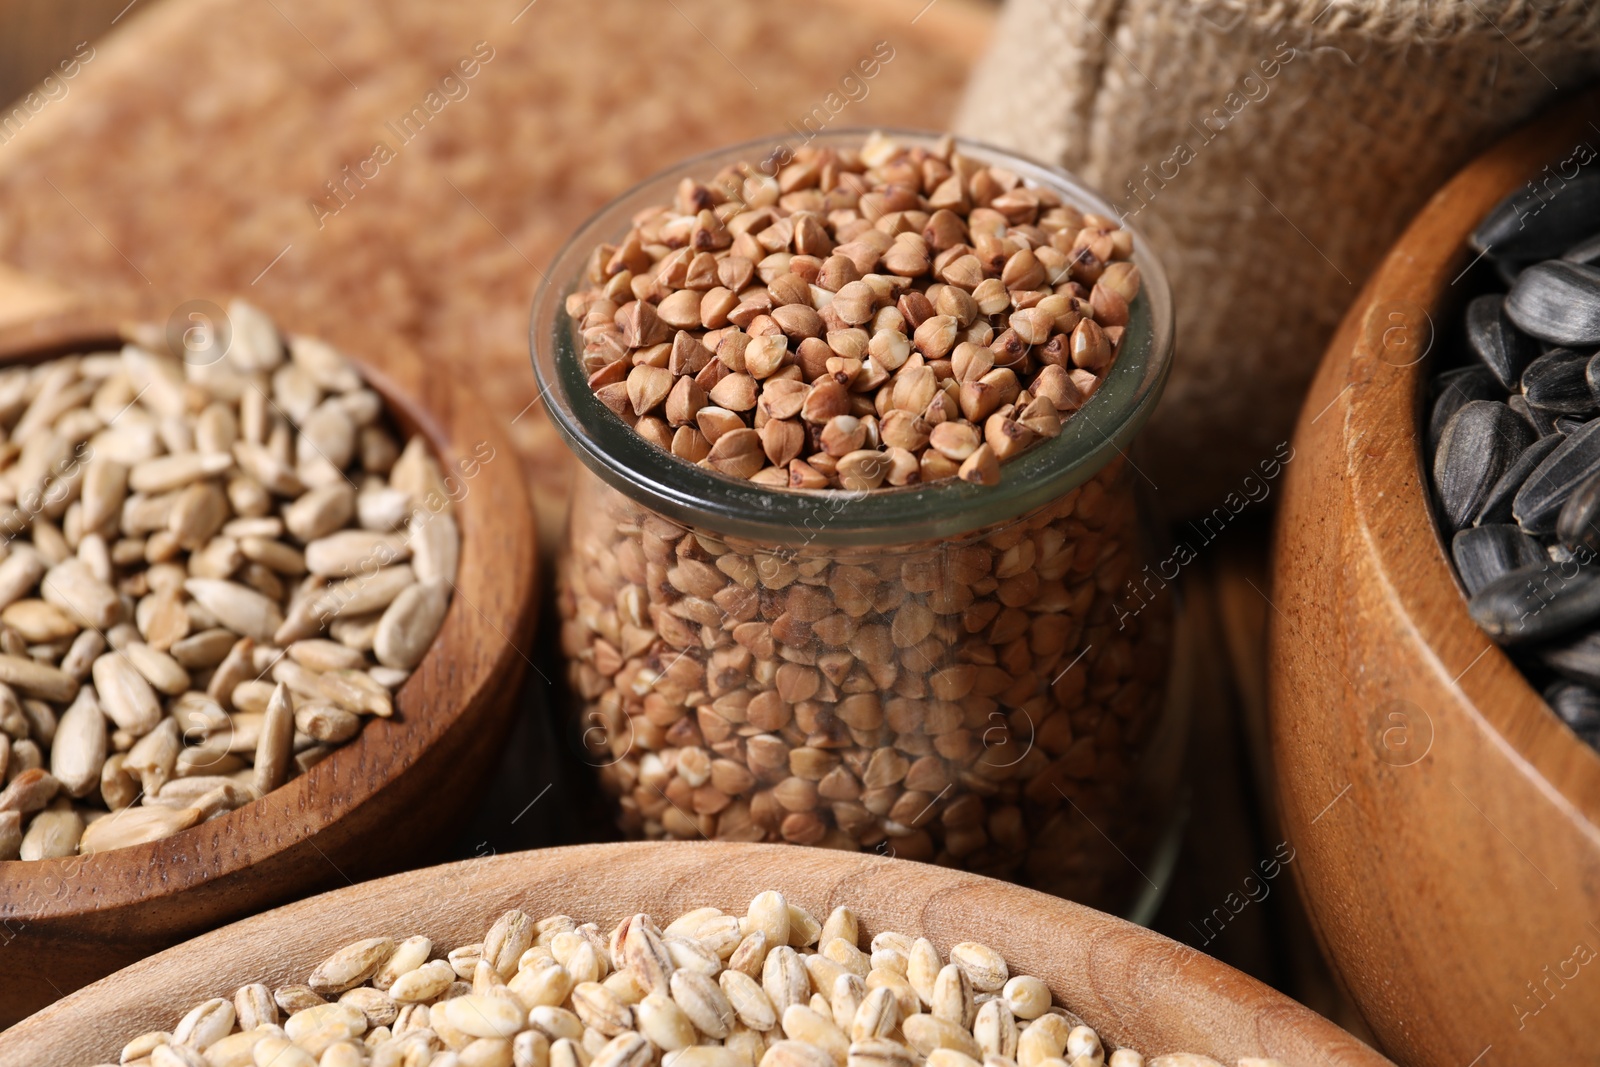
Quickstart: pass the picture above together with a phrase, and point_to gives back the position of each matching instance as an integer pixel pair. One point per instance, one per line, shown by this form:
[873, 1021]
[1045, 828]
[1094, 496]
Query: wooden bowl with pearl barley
[1446, 823]
[382, 801]
[1134, 987]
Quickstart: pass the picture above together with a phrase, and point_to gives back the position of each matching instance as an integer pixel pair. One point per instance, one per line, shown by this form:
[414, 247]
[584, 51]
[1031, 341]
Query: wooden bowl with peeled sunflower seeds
[263, 613]
[684, 954]
[1446, 821]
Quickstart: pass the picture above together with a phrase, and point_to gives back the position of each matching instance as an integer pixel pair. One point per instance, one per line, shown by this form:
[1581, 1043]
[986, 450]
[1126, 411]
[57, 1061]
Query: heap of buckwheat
[180, 539]
[771, 988]
[885, 316]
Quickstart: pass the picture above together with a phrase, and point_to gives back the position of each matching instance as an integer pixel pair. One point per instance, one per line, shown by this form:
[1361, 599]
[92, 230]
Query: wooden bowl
[378, 803]
[1446, 823]
[1134, 986]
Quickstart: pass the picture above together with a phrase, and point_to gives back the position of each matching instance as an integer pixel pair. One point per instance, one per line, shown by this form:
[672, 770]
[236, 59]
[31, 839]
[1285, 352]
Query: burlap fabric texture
[1271, 152]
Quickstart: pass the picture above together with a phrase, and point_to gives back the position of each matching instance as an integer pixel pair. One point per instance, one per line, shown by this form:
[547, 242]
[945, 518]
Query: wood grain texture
[379, 803]
[1445, 819]
[25, 299]
[40, 35]
[1134, 986]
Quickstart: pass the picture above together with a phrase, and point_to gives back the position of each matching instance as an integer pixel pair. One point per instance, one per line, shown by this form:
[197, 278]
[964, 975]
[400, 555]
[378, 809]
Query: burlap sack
[1272, 152]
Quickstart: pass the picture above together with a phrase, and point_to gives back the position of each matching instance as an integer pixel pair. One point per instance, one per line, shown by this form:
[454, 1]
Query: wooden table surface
[188, 158]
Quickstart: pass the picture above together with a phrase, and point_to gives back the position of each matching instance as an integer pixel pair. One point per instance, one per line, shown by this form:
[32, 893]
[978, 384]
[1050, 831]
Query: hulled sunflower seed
[238, 607]
[276, 743]
[78, 751]
[125, 694]
[410, 623]
[135, 826]
[175, 547]
[52, 833]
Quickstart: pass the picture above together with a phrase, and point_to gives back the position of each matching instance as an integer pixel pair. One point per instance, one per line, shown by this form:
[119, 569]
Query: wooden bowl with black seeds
[388, 799]
[1446, 822]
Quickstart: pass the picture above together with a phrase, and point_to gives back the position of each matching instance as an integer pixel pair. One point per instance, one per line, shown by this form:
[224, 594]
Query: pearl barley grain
[595, 1025]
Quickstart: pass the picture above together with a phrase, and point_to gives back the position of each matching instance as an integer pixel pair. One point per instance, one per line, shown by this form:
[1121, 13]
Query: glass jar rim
[703, 499]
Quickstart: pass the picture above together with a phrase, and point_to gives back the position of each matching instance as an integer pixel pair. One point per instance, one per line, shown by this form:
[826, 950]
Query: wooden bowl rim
[1384, 418]
[61, 888]
[1139, 976]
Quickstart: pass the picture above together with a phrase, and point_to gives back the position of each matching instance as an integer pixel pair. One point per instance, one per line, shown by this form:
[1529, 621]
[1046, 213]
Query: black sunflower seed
[1569, 424]
[1537, 603]
[1557, 301]
[1584, 252]
[1578, 706]
[1536, 224]
[1577, 659]
[1558, 381]
[1540, 421]
[1578, 522]
[1574, 461]
[1591, 374]
[1497, 505]
[1455, 388]
[1484, 553]
[1504, 349]
[1480, 441]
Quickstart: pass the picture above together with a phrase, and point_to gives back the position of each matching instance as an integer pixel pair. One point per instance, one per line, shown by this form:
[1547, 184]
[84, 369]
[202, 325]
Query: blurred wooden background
[1231, 829]
[36, 34]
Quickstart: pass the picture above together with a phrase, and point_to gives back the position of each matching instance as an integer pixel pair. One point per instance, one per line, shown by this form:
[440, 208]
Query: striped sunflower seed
[1557, 301]
[1479, 443]
[1558, 382]
[1578, 522]
[1505, 350]
[1578, 706]
[1513, 230]
[1577, 459]
[1498, 505]
[1537, 602]
[1485, 553]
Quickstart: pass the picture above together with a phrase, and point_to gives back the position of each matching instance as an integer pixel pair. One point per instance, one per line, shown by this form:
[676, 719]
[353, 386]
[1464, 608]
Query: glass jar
[945, 672]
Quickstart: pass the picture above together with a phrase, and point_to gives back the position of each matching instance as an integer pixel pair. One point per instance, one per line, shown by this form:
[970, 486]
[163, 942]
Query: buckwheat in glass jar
[944, 666]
